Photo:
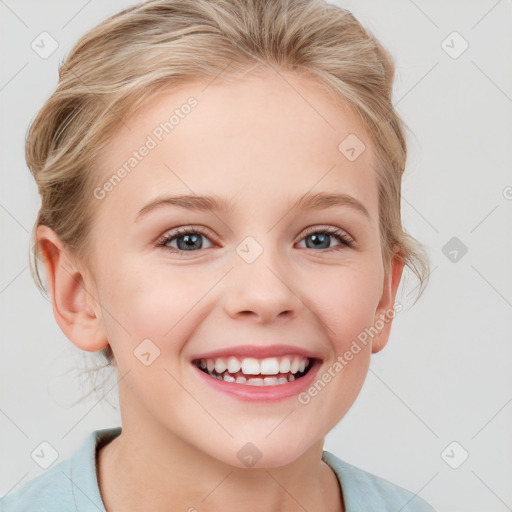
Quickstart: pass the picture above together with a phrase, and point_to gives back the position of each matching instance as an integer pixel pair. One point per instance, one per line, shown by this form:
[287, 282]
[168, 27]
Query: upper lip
[258, 352]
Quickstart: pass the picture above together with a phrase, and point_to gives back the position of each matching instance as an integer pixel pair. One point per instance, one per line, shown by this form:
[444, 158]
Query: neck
[176, 473]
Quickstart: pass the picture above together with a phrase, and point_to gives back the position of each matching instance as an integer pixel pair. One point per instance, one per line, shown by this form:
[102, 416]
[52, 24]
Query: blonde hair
[116, 67]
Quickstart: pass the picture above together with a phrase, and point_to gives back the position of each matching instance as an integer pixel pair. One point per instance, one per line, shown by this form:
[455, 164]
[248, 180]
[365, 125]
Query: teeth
[284, 367]
[250, 366]
[270, 366]
[294, 368]
[220, 365]
[233, 365]
[253, 366]
[254, 382]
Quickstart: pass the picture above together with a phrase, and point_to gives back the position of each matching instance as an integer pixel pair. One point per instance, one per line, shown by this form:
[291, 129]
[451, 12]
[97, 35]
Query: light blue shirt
[72, 486]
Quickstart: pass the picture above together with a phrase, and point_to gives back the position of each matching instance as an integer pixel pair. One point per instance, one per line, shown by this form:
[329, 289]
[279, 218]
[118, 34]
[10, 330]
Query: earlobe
[72, 301]
[385, 310]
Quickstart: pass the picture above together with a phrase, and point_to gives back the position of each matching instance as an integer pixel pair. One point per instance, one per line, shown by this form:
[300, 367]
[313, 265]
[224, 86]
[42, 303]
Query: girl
[220, 218]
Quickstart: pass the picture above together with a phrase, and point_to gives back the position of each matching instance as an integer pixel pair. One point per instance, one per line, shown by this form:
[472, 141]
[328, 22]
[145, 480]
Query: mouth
[250, 371]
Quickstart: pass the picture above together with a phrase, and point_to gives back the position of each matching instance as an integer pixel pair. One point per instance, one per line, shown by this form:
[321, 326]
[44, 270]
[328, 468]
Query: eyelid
[346, 238]
[175, 232]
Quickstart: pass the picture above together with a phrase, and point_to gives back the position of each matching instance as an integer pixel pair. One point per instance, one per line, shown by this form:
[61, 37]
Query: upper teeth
[253, 366]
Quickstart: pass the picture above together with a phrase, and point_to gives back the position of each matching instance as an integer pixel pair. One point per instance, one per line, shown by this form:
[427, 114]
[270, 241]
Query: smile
[250, 371]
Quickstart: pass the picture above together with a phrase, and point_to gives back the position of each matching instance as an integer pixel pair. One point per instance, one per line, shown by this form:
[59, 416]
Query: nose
[260, 290]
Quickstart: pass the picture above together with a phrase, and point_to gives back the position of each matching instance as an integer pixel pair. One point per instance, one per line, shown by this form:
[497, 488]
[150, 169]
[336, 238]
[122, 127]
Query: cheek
[141, 305]
[347, 301]
[345, 306]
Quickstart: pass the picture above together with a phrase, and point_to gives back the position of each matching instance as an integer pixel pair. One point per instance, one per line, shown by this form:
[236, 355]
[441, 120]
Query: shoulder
[70, 485]
[49, 491]
[366, 492]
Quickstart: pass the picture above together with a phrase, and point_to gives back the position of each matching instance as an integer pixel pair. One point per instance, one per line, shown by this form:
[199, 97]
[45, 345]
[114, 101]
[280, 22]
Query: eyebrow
[189, 202]
[309, 201]
[322, 200]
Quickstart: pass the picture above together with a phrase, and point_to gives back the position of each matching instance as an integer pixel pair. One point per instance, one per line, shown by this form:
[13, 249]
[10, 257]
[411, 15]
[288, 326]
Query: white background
[445, 373]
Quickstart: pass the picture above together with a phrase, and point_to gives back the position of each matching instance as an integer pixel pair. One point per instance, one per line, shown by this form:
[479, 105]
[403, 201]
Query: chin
[264, 454]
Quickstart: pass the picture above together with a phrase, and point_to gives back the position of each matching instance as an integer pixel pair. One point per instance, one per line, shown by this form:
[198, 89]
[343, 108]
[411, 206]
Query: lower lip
[262, 393]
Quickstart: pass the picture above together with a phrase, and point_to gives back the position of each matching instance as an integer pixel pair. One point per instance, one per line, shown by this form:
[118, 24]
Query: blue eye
[189, 239]
[320, 236]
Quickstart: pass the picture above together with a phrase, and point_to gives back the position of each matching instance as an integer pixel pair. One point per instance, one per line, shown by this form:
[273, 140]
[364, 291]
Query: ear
[74, 306]
[385, 310]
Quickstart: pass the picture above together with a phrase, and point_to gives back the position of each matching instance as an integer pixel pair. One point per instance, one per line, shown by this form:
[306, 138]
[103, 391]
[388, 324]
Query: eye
[187, 239]
[321, 237]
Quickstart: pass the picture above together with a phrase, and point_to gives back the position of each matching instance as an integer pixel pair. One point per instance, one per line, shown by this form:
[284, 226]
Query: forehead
[267, 134]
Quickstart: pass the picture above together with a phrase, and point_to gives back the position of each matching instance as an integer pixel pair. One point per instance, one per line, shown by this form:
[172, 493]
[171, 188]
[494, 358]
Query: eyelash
[342, 236]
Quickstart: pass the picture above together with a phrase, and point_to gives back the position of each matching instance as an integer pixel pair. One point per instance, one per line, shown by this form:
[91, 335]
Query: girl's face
[256, 272]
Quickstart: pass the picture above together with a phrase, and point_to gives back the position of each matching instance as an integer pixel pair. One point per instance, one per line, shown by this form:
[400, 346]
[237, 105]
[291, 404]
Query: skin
[260, 143]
